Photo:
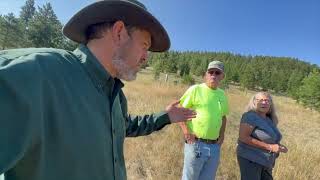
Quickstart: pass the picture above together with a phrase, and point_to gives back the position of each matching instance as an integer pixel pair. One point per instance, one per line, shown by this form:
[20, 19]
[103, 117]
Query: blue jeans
[201, 161]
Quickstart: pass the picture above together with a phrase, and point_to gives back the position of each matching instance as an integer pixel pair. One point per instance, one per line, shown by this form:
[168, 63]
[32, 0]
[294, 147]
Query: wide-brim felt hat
[131, 12]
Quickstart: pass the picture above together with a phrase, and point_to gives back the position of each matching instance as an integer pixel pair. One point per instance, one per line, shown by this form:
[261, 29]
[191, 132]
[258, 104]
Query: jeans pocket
[197, 150]
[193, 150]
[197, 154]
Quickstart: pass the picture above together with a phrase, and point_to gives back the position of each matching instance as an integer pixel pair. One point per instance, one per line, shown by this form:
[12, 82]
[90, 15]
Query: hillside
[160, 155]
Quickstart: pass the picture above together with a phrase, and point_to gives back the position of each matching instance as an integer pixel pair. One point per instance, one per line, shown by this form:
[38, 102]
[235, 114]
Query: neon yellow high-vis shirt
[211, 105]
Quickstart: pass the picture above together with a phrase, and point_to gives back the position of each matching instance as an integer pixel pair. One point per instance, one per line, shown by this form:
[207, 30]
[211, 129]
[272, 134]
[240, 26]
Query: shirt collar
[94, 68]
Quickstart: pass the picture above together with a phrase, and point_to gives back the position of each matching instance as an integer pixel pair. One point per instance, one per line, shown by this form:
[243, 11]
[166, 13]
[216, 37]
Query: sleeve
[18, 98]
[142, 125]
[248, 118]
[187, 99]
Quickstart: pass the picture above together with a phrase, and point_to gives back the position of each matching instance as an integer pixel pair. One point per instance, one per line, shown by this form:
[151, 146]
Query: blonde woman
[259, 139]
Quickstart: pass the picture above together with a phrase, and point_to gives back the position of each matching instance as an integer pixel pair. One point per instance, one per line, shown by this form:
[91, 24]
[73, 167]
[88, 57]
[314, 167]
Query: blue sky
[289, 28]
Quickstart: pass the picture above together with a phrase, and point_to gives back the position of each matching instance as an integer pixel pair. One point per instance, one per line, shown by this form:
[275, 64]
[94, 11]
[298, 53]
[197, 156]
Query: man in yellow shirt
[205, 133]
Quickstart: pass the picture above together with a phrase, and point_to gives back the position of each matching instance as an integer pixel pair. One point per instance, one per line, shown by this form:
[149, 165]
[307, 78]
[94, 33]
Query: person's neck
[103, 53]
[264, 115]
[211, 86]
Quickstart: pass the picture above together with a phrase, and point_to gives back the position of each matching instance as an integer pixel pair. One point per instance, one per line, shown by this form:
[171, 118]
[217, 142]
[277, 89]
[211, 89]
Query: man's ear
[119, 32]
[223, 76]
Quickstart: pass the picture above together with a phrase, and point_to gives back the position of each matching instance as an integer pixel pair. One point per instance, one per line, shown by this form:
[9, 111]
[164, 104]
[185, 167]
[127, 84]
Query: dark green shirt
[63, 117]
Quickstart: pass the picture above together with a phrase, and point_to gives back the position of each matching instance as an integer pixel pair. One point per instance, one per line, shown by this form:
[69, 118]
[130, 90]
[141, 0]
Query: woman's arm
[244, 136]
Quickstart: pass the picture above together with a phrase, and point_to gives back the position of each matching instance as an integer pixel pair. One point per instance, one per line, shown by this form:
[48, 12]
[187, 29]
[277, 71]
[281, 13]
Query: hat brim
[215, 68]
[114, 10]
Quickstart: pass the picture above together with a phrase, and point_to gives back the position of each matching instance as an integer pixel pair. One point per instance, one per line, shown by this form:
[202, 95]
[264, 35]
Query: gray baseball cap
[216, 64]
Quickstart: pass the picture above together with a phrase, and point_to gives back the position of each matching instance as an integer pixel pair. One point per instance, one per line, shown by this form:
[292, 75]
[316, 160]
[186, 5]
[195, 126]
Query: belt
[208, 141]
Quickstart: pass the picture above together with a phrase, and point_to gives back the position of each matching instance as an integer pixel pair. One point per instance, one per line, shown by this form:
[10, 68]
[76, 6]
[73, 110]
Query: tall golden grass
[160, 155]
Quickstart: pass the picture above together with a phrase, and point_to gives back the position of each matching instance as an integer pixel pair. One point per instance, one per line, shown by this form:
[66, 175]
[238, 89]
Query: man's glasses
[217, 73]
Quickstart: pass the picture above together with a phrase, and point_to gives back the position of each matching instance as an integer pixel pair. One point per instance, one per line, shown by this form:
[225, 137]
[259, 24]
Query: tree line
[282, 75]
[35, 27]
[40, 27]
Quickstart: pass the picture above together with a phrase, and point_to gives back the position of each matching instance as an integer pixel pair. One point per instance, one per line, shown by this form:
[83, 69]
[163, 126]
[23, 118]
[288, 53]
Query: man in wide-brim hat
[109, 28]
[63, 114]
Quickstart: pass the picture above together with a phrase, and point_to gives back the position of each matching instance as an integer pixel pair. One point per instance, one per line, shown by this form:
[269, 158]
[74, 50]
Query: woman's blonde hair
[272, 112]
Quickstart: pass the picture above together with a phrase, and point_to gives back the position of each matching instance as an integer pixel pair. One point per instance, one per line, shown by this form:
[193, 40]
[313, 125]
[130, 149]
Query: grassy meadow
[159, 156]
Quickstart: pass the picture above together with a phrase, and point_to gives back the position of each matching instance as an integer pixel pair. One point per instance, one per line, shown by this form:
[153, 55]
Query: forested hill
[284, 75]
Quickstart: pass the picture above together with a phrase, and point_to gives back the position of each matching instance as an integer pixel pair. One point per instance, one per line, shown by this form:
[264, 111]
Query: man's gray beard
[123, 70]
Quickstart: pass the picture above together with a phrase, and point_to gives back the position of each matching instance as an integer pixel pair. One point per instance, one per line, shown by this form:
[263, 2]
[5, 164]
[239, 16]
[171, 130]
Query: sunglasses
[217, 73]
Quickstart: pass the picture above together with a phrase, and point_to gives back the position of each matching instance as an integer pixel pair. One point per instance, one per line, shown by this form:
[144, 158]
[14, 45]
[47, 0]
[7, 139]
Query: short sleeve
[187, 99]
[249, 118]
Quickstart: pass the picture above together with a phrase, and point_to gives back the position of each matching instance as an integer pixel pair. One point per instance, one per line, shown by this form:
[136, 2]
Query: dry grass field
[159, 156]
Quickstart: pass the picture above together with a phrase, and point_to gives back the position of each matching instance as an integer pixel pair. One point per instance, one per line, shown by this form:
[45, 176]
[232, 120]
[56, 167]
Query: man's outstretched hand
[178, 114]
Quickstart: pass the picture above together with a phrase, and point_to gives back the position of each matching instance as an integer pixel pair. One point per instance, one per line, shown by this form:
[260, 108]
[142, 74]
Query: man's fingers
[190, 117]
[190, 114]
[173, 104]
[188, 111]
[193, 114]
[178, 114]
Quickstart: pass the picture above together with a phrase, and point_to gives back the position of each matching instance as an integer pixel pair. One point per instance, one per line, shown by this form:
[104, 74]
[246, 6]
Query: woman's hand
[283, 148]
[273, 148]
[276, 148]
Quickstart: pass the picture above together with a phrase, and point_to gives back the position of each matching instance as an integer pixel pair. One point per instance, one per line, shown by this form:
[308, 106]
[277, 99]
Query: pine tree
[9, 31]
[26, 15]
[247, 78]
[27, 12]
[309, 92]
[295, 81]
[45, 28]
